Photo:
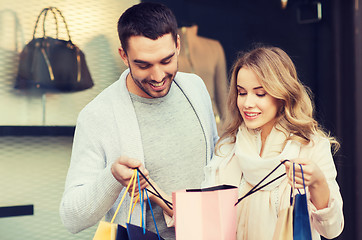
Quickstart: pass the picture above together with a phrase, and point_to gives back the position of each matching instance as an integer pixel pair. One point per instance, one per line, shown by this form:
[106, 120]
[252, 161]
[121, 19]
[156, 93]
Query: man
[153, 117]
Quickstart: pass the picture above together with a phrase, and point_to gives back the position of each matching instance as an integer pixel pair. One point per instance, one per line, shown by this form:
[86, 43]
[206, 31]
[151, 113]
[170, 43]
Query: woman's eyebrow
[256, 88]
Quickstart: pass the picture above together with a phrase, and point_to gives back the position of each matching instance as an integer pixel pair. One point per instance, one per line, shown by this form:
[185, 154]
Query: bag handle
[44, 12]
[292, 198]
[257, 188]
[157, 194]
[141, 193]
[55, 10]
[133, 180]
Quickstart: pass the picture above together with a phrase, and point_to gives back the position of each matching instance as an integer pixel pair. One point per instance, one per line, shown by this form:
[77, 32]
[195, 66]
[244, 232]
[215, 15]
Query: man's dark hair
[151, 20]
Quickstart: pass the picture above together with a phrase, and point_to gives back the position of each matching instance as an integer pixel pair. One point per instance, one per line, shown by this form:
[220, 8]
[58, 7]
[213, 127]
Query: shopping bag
[293, 222]
[106, 231]
[141, 233]
[301, 222]
[205, 214]
[111, 230]
[284, 226]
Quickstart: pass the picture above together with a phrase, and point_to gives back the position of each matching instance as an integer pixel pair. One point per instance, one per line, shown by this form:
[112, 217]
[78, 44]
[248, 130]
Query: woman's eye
[260, 94]
[241, 93]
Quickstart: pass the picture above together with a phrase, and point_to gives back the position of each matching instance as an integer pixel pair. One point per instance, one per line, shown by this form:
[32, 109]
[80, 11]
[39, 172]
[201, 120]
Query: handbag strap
[257, 188]
[54, 11]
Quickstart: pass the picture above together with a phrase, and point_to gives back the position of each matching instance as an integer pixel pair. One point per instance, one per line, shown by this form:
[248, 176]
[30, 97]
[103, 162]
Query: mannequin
[205, 57]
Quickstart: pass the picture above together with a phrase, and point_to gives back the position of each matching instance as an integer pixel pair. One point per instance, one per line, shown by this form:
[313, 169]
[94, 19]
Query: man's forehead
[146, 49]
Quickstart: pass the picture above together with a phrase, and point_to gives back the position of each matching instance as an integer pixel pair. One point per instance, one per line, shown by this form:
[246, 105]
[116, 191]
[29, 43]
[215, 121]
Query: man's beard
[144, 82]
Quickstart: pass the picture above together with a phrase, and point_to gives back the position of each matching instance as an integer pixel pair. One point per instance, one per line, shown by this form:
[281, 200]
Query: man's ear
[178, 44]
[123, 55]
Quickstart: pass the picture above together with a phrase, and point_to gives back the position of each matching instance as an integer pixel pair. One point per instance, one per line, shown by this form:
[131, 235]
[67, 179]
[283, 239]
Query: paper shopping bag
[284, 226]
[106, 231]
[121, 233]
[141, 233]
[138, 233]
[111, 230]
[293, 222]
[301, 223]
[205, 214]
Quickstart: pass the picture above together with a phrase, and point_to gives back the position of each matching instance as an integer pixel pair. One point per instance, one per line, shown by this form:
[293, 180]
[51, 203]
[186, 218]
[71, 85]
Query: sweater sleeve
[328, 222]
[90, 188]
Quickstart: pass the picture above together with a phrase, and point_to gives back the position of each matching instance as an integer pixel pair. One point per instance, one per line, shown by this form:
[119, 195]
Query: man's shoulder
[184, 76]
[109, 94]
[188, 80]
[104, 101]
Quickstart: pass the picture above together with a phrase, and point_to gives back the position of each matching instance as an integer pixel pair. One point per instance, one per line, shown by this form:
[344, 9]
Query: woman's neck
[265, 132]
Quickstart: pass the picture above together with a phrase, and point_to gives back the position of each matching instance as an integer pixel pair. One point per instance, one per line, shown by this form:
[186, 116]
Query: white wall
[33, 169]
[93, 27]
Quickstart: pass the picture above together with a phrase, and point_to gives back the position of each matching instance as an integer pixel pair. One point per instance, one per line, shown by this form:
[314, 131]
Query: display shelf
[13, 211]
[37, 130]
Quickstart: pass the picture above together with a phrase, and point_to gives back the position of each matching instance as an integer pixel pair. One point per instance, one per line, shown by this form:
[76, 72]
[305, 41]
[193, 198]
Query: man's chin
[159, 94]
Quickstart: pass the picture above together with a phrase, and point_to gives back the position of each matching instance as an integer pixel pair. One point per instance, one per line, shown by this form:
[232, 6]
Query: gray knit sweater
[106, 129]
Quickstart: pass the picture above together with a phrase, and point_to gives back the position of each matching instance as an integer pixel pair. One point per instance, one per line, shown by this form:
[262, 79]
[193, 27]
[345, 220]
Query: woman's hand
[314, 179]
[313, 175]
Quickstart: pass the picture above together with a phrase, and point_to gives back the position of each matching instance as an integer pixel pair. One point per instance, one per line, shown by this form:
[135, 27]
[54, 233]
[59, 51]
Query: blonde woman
[270, 118]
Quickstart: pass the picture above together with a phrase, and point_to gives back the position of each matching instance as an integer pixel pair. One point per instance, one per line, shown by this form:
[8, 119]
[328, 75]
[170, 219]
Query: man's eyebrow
[163, 59]
[140, 61]
[168, 57]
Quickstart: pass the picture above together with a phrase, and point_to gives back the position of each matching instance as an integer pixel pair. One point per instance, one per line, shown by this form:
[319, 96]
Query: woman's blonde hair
[278, 76]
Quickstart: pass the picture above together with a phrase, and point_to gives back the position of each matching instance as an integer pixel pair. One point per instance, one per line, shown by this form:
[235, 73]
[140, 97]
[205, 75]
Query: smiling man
[152, 64]
[153, 117]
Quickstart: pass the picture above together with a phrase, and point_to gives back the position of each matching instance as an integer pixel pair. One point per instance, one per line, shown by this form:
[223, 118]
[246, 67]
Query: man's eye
[166, 62]
[143, 66]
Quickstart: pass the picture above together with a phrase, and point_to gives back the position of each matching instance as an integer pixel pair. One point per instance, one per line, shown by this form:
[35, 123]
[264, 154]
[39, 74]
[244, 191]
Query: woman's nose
[249, 101]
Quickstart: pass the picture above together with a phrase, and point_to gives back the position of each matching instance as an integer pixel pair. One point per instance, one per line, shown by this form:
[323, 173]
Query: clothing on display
[205, 57]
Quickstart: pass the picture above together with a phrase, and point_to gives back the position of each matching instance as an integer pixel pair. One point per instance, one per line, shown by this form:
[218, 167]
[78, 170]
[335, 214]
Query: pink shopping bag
[205, 214]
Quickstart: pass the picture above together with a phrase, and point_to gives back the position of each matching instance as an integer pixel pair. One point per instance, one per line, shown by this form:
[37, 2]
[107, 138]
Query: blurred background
[36, 128]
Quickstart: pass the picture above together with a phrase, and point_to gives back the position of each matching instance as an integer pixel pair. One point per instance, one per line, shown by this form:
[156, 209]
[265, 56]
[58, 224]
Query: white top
[257, 213]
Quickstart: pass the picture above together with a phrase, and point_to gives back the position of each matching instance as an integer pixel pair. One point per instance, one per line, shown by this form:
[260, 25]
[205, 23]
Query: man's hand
[123, 168]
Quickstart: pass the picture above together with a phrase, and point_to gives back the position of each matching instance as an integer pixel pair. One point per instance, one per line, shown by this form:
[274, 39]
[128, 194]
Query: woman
[271, 119]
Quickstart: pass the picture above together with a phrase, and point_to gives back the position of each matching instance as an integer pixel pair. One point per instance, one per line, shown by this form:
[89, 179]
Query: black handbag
[52, 63]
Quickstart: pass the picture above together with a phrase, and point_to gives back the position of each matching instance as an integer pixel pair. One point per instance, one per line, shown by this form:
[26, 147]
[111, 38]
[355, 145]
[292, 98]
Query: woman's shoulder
[224, 146]
[317, 140]
[317, 146]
